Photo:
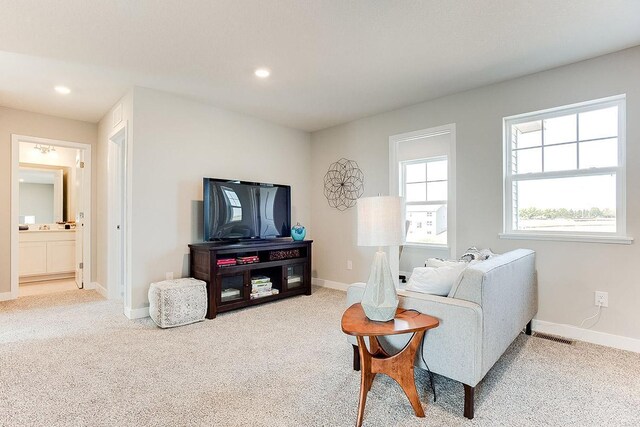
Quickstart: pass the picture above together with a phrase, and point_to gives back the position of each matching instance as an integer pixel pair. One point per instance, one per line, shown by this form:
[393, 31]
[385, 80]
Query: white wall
[39, 125]
[569, 273]
[176, 142]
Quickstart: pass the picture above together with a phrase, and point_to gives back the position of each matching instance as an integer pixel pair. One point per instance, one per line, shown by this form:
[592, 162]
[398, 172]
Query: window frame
[619, 236]
[402, 192]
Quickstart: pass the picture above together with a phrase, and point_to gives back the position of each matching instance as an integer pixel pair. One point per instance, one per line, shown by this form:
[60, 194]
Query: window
[564, 172]
[424, 184]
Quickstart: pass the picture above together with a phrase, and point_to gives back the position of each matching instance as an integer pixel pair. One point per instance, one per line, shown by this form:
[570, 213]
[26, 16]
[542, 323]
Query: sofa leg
[468, 401]
[527, 329]
[356, 358]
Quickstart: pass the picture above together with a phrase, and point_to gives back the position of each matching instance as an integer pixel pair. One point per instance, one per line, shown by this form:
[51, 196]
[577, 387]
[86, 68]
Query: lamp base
[380, 299]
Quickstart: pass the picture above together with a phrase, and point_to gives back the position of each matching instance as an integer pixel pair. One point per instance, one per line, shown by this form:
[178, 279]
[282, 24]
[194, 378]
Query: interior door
[79, 217]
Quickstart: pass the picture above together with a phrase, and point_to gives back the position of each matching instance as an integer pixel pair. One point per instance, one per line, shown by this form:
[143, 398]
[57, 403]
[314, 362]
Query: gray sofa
[486, 310]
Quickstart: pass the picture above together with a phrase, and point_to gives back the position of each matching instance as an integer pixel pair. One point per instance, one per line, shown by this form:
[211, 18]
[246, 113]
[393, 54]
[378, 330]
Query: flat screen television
[240, 210]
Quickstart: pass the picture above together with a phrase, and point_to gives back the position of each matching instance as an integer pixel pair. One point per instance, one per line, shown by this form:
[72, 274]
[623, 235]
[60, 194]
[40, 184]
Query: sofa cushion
[435, 280]
[438, 262]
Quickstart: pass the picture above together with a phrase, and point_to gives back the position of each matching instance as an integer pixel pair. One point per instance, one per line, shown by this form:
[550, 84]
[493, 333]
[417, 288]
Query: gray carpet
[74, 359]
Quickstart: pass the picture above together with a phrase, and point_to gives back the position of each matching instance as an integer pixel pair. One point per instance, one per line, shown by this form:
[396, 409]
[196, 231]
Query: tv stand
[287, 263]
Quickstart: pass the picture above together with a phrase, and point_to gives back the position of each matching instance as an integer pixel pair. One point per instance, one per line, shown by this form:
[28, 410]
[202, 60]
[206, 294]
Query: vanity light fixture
[263, 73]
[62, 90]
[45, 149]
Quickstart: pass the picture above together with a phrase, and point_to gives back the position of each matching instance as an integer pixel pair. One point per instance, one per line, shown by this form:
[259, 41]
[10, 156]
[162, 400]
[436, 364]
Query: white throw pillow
[437, 262]
[435, 280]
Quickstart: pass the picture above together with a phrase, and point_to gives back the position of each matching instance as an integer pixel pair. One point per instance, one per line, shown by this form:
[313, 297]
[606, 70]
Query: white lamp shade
[380, 221]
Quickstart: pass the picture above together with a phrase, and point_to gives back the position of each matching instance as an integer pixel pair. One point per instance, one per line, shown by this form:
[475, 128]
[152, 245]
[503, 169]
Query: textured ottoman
[177, 302]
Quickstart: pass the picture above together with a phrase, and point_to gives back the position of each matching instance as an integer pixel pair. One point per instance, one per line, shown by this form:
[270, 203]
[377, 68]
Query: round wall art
[343, 184]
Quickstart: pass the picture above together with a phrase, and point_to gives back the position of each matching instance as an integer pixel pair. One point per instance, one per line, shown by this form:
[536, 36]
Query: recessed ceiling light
[62, 90]
[263, 73]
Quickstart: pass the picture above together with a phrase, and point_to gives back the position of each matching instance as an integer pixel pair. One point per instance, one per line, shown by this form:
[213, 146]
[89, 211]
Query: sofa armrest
[454, 348]
[505, 286]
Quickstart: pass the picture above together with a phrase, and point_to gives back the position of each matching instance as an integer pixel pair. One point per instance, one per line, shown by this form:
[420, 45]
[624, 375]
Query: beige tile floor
[48, 287]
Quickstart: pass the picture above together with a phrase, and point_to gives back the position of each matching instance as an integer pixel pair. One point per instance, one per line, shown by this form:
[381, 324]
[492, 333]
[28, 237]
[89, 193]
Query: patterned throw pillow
[486, 254]
[474, 254]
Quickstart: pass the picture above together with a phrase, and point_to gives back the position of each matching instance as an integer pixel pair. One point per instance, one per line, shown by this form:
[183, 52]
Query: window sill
[620, 240]
[426, 246]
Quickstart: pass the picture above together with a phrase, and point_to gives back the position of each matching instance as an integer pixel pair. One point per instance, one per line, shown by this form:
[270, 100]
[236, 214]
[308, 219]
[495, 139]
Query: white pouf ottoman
[177, 302]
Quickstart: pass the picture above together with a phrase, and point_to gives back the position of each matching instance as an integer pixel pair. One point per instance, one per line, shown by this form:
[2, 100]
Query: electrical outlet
[168, 275]
[602, 299]
[349, 265]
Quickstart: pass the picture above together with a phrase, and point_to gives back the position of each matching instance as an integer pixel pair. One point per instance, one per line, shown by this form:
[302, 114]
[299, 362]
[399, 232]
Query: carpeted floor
[74, 359]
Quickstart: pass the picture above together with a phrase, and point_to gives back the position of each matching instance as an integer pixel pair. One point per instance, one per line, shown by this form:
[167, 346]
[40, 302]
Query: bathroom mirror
[41, 192]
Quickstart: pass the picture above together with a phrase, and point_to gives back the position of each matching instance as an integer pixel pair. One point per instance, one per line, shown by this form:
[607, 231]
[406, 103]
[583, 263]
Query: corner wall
[177, 142]
[568, 272]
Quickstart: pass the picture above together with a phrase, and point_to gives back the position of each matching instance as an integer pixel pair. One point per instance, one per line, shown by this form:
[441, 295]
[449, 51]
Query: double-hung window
[424, 185]
[565, 172]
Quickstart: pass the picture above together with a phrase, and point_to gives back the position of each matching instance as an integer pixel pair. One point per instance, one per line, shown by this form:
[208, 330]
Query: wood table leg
[400, 367]
[375, 360]
[366, 378]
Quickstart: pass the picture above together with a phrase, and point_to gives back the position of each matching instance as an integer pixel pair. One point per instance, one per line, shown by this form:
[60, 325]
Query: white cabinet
[46, 253]
[33, 258]
[61, 256]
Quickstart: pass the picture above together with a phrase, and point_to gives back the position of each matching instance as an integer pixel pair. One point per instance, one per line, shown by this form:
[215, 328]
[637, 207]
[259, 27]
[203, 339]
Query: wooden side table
[377, 361]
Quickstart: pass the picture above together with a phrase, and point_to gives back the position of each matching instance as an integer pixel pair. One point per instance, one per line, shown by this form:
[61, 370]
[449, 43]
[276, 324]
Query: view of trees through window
[563, 171]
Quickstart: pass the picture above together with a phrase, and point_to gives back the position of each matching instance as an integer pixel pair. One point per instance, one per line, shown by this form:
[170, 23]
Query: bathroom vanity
[47, 254]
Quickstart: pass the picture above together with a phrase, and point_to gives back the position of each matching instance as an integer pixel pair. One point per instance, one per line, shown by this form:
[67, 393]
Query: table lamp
[380, 224]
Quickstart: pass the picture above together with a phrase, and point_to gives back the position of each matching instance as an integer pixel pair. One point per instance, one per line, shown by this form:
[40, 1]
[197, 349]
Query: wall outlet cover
[602, 298]
[168, 275]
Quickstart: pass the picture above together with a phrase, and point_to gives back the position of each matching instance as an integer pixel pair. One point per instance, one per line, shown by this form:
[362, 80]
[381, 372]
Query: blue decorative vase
[298, 232]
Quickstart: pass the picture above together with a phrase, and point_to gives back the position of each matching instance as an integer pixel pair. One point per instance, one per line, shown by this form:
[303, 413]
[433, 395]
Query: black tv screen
[239, 210]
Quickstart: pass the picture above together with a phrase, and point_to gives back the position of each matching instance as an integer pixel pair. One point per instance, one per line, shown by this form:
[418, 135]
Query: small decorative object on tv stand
[231, 286]
[284, 254]
[298, 232]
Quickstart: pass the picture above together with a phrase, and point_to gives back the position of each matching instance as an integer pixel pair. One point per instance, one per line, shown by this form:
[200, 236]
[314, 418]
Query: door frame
[87, 181]
[119, 136]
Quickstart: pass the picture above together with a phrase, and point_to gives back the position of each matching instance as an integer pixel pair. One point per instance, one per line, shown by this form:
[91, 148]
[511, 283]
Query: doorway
[50, 215]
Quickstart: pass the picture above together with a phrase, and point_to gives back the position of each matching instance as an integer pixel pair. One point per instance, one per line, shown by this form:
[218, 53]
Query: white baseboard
[136, 313]
[587, 335]
[6, 296]
[98, 288]
[330, 284]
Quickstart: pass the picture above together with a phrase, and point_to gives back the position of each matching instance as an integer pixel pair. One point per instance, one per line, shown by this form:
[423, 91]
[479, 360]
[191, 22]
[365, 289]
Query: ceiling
[332, 61]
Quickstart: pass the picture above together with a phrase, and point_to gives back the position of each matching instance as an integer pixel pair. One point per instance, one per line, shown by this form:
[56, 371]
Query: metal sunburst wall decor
[343, 184]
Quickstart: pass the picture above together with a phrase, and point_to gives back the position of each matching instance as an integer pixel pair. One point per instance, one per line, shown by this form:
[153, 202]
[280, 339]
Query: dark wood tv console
[287, 263]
